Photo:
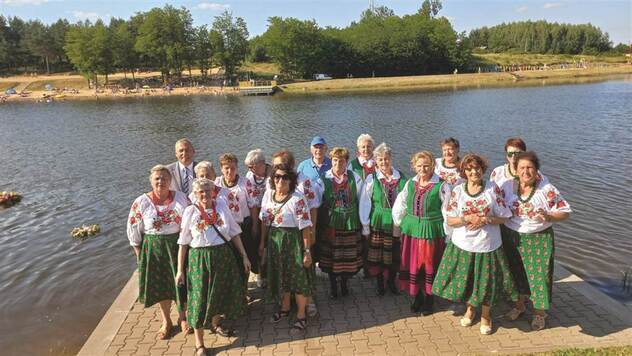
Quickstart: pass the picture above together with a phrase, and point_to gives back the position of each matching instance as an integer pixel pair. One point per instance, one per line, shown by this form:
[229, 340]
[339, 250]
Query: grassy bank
[459, 81]
[541, 59]
[606, 351]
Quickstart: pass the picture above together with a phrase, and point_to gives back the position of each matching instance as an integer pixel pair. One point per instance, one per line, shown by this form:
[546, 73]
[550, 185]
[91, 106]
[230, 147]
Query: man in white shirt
[183, 171]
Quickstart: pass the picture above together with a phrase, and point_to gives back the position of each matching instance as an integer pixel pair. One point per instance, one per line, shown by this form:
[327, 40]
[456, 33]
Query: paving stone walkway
[363, 323]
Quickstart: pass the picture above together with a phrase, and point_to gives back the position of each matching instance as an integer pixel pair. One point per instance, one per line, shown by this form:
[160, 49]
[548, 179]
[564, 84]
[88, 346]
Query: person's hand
[476, 222]
[246, 264]
[179, 278]
[307, 259]
[542, 216]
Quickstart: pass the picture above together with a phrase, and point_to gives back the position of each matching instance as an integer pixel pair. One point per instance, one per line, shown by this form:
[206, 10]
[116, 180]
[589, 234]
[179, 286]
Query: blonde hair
[382, 150]
[254, 157]
[159, 168]
[184, 141]
[421, 155]
[203, 165]
[199, 184]
[339, 152]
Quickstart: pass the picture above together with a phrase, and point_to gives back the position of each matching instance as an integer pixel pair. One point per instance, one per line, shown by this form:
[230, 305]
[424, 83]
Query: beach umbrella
[48, 87]
[10, 91]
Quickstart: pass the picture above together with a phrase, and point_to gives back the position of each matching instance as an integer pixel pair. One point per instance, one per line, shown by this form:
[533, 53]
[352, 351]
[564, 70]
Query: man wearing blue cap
[316, 166]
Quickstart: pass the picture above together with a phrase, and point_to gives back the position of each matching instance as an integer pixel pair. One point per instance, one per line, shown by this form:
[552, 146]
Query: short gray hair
[254, 157]
[365, 137]
[382, 150]
[184, 141]
[204, 164]
[200, 184]
[159, 168]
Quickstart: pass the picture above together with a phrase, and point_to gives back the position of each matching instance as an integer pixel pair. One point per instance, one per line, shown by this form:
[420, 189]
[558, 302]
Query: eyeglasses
[511, 154]
[281, 176]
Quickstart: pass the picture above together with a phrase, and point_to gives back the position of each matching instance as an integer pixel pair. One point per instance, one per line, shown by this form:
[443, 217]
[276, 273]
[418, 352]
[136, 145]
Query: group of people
[447, 232]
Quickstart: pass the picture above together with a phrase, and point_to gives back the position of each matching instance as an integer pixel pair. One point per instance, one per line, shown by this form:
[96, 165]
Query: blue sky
[613, 16]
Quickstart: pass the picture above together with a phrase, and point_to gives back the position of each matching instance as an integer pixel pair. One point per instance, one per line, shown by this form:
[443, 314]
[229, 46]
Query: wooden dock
[257, 87]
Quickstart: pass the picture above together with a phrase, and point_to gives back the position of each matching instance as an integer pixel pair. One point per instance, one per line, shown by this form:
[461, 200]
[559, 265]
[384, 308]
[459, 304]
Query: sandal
[184, 327]
[276, 317]
[485, 329]
[200, 351]
[538, 322]
[299, 326]
[465, 321]
[514, 314]
[163, 333]
[222, 331]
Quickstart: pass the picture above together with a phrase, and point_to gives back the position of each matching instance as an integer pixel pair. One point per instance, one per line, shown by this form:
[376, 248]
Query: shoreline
[460, 81]
[421, 83]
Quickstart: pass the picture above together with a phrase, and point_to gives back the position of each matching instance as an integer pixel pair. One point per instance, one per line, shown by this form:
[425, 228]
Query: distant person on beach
[417, 212]
[315, 166]
[286, 241]
[447, 166]
[258, 171]
[210, 235]
[153, 226]
[340, 245]
[474, 268]
[376, 203]
[528, 238]
[183, 171]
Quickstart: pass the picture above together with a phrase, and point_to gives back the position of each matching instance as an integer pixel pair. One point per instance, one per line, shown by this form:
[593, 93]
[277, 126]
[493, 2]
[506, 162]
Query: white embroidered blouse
[294, 213]
[145, 218]
[449, 175]
[237, 198]
[196, 232]
[489, 202]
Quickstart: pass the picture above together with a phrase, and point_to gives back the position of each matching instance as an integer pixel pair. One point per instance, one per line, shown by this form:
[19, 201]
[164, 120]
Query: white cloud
[522, 9]
[552, 5]
[23, 2]
[84, 15]
[212, 6]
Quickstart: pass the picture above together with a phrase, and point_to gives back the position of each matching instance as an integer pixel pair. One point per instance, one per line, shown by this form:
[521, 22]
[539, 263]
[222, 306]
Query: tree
[79, 49]
[430, 8]
[125, 56]
[203, 49]
[230, 41]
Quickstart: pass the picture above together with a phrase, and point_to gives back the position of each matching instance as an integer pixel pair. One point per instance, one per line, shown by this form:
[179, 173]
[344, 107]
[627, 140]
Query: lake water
[85, 162]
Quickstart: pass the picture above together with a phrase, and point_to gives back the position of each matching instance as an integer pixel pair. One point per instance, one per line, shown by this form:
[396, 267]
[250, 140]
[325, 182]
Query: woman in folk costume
[241, 206]
[447, 166]
[286, 239]
[215, 282]
[153, 226]
[474, 268]
[417, 212]
[340, 246]
[528, 238]
[312, 191]
[204, 169]
[376, 203]
[258, 172]
[506, 172]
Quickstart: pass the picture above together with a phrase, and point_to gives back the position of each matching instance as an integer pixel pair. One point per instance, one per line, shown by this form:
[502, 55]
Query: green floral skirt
[157, 267]
[474, 277]
[215, 285]
[284, 264]
[531, 261]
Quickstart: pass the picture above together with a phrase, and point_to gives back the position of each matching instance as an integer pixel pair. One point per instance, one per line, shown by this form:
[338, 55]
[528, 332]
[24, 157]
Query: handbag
[238, 257]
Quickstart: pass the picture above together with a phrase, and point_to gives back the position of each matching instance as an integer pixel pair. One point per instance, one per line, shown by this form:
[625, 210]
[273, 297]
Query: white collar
[181, 167]
[369, 162]
[395, 175]
[434, 179]
[330, 175]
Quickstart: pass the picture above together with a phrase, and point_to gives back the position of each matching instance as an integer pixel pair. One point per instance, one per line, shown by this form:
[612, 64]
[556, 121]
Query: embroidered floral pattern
[233, 202]
[554, 200]
[478, 206]
[166, 217]
[301, 210]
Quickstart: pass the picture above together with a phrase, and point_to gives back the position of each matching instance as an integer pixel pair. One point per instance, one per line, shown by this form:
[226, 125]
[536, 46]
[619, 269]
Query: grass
[75, 82]
[265, 70]
[606, 351]
[7, 85]
[540, 59]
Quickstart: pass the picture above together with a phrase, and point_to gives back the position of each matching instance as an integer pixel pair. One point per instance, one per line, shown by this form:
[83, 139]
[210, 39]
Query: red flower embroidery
[307, 183]
[178, 219]
[279, 219]
[157, 224]
[132, 220]
[220, 222]
[305, 216]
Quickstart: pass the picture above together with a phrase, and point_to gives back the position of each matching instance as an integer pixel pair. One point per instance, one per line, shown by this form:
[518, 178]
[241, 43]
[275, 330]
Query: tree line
[380, 43]
[542, 37]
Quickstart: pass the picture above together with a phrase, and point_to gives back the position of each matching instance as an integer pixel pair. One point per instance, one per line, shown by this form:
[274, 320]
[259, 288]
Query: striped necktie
[186, 180]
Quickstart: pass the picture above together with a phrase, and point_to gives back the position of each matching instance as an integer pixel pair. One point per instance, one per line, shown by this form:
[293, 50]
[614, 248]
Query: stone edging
[109, 326]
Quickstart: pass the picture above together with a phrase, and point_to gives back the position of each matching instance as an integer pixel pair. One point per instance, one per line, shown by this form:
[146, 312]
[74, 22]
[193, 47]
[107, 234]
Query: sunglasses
[511, 154]
[282, 176]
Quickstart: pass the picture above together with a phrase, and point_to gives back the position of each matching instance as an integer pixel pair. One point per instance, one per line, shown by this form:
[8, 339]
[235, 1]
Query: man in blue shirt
[316, 166]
